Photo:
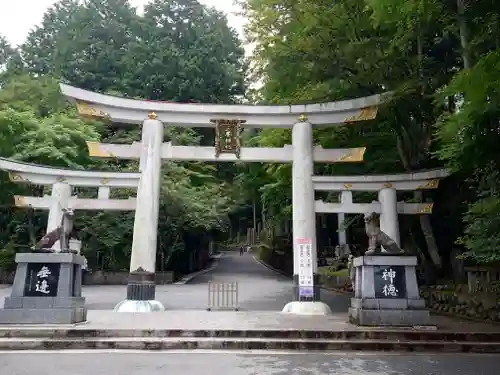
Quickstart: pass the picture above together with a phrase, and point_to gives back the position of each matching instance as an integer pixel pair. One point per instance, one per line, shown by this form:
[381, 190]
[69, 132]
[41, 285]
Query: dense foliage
[441, 60]
[176, 51]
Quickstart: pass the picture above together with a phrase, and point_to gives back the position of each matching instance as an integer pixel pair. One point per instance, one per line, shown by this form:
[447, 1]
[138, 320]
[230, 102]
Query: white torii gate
[62, 180]
[151, 150]
[387, 205]
[347, 206]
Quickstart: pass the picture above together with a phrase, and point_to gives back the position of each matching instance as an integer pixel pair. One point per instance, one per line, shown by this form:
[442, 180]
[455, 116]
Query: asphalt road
[196, 363]
[260, 289]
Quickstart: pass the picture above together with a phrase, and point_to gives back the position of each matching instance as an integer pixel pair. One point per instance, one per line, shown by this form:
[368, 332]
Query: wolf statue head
[370, 217]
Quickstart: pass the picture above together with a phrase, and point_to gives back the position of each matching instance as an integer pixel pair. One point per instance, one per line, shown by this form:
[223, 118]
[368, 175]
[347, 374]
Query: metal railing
[223, 296]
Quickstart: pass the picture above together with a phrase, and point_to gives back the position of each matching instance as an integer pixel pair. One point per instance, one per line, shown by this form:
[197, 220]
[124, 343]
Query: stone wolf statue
[377, 238]
[61, 233]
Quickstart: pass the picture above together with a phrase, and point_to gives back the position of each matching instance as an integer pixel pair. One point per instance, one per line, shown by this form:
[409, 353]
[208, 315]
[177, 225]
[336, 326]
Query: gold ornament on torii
[227, 136]
[85, 110]
[352, 155]
[302, 118]
[365, 114]
[14, 177]
[426, 208]
[431, 184]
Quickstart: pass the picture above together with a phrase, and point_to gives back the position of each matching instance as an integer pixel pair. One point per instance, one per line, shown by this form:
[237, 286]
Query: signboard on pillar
[303, 247]
[389, 281]
[42, 279]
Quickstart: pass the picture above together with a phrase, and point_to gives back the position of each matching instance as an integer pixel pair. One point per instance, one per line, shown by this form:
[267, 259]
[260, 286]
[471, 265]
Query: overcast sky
[17, 17]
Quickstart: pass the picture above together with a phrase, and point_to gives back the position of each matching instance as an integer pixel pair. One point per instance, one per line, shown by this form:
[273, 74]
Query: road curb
[414, 334]
[262, 263]
[190, 277]
[217, 343]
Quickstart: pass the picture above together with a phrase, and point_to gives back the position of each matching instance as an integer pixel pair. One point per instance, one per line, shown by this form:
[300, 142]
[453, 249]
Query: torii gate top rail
[422, 180]
[200, 115]
[45, 175]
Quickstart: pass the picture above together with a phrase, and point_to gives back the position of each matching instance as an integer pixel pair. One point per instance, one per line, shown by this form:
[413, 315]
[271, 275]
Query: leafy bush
[265, 253]
[482, 220]
[7, 259]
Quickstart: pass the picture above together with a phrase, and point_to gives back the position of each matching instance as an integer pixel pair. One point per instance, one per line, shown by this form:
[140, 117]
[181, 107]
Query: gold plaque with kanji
[227, 137]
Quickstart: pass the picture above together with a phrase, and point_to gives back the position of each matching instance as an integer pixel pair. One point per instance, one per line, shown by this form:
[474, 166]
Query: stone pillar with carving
[305, 266]
[141, 282]
[389, 213]
[61, 193]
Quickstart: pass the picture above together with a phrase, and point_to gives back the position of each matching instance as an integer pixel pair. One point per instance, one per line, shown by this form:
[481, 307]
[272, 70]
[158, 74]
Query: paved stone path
[195, 363]
[262, 295]
[260, 289]
[240, 320]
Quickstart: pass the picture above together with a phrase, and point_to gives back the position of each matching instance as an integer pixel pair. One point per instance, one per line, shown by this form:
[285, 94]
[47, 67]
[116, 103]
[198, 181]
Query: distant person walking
[242, 249]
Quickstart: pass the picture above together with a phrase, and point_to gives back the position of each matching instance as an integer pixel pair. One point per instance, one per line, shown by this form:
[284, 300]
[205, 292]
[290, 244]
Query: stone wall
[277, 259]
[481, 306]
[120, 278]
[342, 283]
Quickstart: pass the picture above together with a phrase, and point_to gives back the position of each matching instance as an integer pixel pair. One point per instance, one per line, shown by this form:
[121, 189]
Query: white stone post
[342, 232]
[141, 283]
[61, 193]
[389, 213]
[304, 215]
[103, 192]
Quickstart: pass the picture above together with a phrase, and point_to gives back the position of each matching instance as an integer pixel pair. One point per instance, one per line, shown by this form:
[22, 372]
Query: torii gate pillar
[305, 265]
[141, 283]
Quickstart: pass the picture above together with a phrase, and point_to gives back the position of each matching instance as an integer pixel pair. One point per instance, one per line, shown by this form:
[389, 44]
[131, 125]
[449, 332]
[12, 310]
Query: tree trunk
[426, 273]
[420, 57]
[31, 227]
[464, 36]
[263, 214]
[254, 216]
[425, 224]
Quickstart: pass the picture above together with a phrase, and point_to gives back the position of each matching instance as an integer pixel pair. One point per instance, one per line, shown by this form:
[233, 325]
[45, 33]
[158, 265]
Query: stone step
[357, 334]
[218, 343]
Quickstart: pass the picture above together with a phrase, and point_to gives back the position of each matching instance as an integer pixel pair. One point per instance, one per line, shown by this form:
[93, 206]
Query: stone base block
[388, 303]
[307, 308]
[44, 302]
[393, 317]
[43, 316]
[316, 289]
[138, 306]
[141, 291]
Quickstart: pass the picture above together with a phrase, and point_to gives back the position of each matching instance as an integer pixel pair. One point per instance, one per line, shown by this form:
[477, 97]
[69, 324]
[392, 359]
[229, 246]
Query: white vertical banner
[303, 247]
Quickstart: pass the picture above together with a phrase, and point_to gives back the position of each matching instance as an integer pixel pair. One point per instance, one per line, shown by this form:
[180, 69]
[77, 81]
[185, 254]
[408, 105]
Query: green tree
[105, 46]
